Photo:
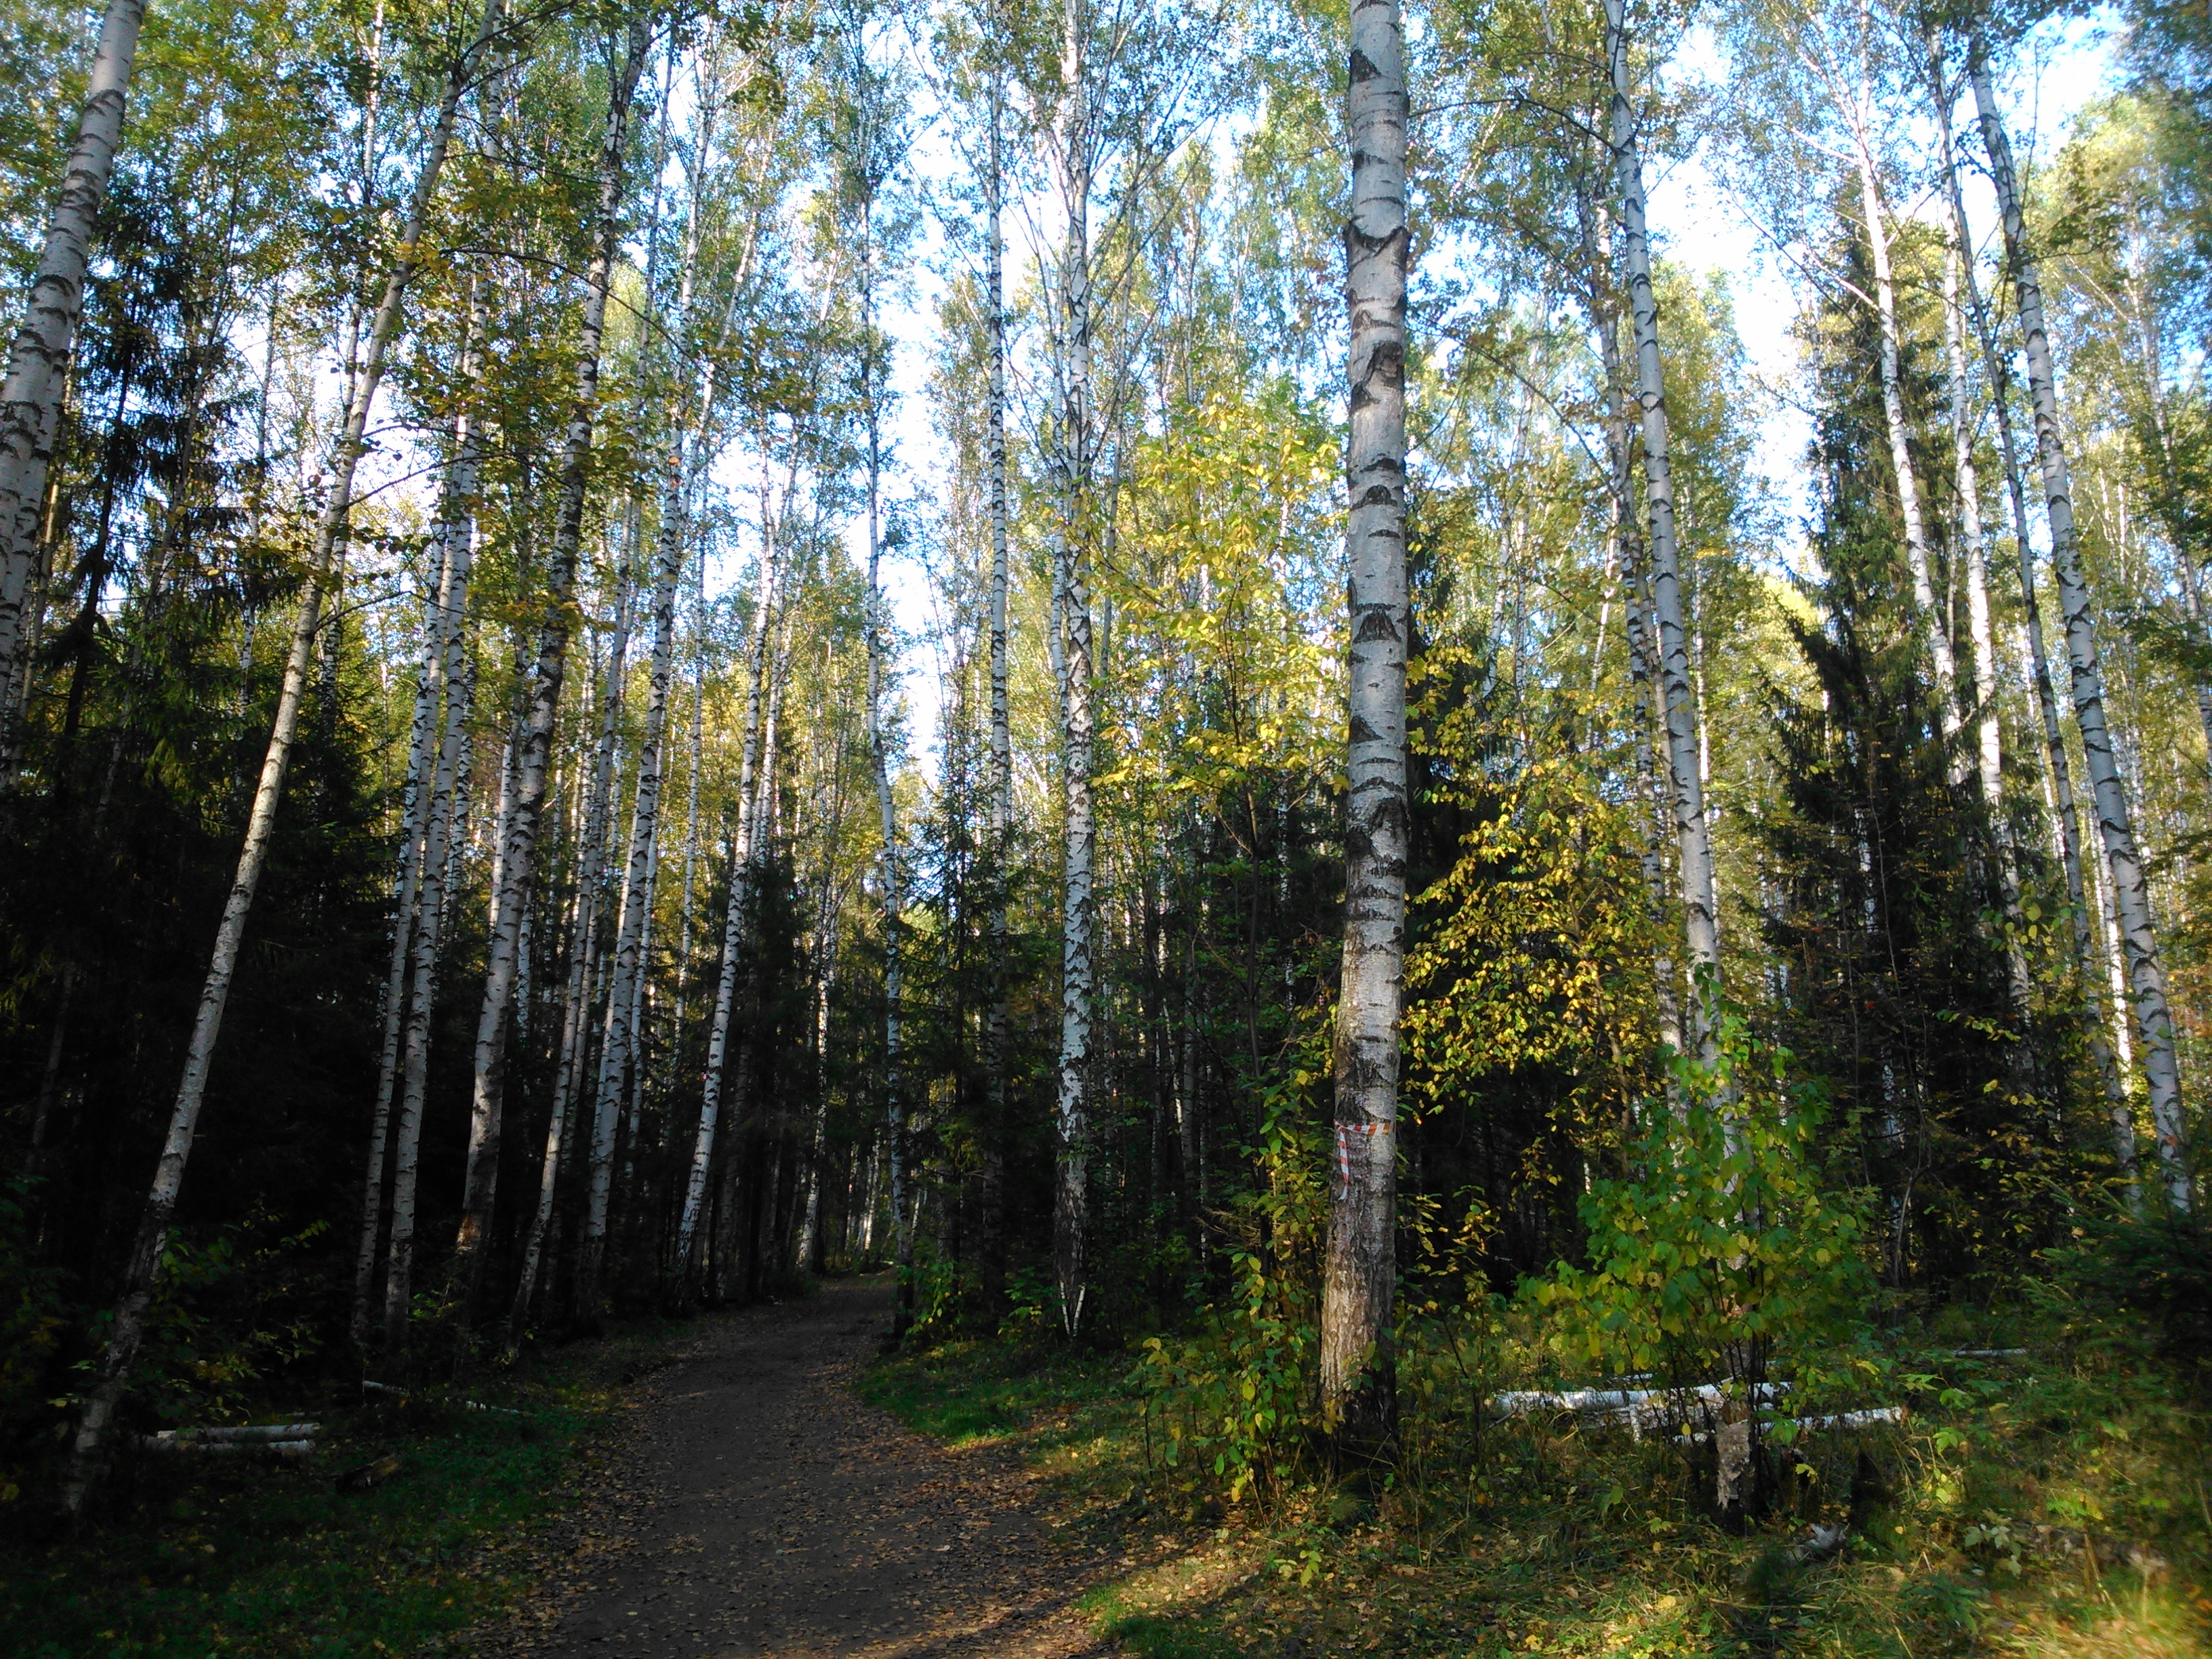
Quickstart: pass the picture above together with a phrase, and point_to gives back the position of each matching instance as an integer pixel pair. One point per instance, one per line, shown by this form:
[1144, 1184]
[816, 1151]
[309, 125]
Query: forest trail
[758, 1506]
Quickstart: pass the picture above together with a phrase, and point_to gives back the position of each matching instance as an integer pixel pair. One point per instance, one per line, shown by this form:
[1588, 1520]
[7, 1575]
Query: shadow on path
[756, 1505]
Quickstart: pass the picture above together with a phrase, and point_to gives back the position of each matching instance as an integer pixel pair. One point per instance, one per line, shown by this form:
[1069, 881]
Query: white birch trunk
[581, 995]
[619, 1043]
[458, 534]
[733, 926]
[1072, 140]
[45, 345]
[1636, 614]
[2131, 896]
[415, 805]
[2057, 774]
[1935, 626]
[1989, 744]
[1002, 806]
[1358, 1393]
[1693, 839]
[879, 758]
[145, 1264]
[518, 860]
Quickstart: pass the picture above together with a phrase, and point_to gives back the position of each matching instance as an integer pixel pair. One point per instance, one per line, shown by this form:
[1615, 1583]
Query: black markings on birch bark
[685, 1266]
[1000, 819]
[1071, 142]
[533, 751]
[1358, 1370]
[144, 1270]
[40, 357]
[2057, 777]
[2124, 863]
[1693, 840]
[457, 532]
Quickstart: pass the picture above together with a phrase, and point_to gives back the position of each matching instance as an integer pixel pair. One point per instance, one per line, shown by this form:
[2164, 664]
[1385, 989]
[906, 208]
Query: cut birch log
[1869, 1417]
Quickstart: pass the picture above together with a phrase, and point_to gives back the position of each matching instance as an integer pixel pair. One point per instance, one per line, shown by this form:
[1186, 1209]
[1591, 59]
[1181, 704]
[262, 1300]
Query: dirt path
[758, 1507]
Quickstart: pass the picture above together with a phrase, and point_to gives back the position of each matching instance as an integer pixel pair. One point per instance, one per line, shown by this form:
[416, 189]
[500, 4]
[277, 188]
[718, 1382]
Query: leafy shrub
[1722, 1242]
[1231, 1403]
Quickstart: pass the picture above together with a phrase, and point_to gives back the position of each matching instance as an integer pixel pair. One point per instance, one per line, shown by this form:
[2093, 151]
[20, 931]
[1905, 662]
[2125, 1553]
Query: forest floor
[756, 1504]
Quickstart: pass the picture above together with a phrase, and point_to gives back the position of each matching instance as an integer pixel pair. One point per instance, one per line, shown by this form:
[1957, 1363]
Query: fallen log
[173, 1441]
[472, 1404]
[1858, 1419]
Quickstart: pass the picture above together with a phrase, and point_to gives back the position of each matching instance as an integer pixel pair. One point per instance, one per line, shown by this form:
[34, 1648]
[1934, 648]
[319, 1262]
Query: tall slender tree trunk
[1989, 743]
[415, 803]
[734, 922]
[1934, 629]
[1693, 835]
[458, 532]
[581, 996]
[1071, 1198]
[2057, 770]
[518, 859]
[45, 345]
[619, 1046]
[1000, 812]
[886, 806]
[1636, 610]
[144, 1268]
[2132, 894]
[1358, 1373]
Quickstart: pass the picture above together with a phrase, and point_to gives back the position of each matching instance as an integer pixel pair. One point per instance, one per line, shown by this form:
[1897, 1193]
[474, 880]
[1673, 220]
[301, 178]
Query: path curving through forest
[757, 1506]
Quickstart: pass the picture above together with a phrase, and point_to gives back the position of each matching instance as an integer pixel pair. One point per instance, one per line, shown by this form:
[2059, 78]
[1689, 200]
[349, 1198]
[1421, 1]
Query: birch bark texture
[40, 356]
[144, 1270]
[1678, 695]
[414, 806]
[458, 536]
[1071, 148]
[2115, 822]
[619, 1047]
[1359, 1283]
[735, 920]
[503, 950]
[581, 994]
[2058, 772]
[1935, 633]
[1000, 811]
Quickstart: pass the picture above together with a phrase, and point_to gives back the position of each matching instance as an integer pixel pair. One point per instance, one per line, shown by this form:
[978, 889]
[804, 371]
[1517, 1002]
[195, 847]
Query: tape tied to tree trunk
[1344, 1134]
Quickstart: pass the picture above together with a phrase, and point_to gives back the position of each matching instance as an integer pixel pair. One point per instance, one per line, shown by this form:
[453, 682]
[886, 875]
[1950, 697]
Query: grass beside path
[1565, 1541]
[196, 1557]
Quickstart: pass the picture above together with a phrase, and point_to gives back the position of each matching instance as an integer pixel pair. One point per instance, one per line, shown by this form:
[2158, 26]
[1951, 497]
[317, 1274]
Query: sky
[1692, 217]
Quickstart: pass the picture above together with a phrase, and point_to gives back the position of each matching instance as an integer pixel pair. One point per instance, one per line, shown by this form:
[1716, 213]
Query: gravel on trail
[755, 1505]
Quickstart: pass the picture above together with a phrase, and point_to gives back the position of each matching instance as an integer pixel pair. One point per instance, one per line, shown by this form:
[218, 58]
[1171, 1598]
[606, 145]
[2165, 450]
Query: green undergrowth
[2052, 1502]
[194, 1556]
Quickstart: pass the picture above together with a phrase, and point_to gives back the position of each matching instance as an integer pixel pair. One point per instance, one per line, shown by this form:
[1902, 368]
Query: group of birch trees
[647, 650]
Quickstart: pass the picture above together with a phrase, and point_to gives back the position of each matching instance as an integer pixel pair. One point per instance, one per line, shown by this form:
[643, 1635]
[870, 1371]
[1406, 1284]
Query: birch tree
[144, 1267]
[1357, 1371]
[510, 901]
[2115, 822]
[39, 357]
[1692, 835]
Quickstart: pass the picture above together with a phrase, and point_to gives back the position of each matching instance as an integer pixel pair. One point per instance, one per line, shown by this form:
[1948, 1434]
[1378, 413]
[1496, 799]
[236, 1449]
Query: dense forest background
[648, 913]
